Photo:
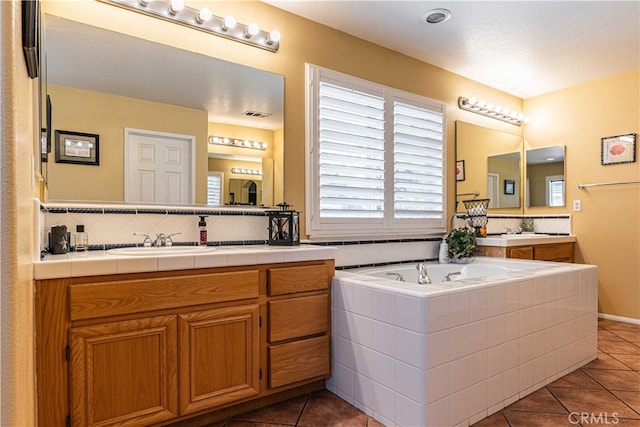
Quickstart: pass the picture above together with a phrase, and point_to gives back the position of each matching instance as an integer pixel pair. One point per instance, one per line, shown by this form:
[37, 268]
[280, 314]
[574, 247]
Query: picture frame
[509, 187]
[618, 149]
[460, 170]
[77, 148]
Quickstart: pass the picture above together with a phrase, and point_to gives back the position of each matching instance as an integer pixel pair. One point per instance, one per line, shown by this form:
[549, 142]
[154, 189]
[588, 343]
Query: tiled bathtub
[454, 355]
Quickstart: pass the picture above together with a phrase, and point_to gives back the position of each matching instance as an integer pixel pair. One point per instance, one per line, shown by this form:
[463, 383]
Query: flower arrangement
[462, 245]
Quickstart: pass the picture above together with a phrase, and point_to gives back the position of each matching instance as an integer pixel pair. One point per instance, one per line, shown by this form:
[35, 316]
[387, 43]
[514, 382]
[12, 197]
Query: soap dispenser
[202, 225]
[443, 255]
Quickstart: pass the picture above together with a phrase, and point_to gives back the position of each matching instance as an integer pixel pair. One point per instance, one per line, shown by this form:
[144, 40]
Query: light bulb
[226, 140]
[144, 3]
[482, 103]
[472, 101]
[176, 6]
[203, 15]
[264, 145]
[252, 30]
[229, 23]
[274, 37]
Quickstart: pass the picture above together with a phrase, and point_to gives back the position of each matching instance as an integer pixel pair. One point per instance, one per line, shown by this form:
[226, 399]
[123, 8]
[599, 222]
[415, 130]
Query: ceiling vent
[258, 114]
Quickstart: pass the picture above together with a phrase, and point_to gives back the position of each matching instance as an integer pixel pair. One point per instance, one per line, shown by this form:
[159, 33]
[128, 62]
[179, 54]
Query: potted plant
[462, 245]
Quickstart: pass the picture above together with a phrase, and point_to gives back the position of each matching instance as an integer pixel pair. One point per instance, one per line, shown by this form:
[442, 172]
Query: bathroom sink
[166, 250]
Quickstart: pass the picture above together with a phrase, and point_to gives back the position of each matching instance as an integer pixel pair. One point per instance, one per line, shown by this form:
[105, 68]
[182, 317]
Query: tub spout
[423, 275]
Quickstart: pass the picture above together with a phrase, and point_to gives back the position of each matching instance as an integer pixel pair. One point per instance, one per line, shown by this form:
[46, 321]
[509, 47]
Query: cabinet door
[562, 252]
[219, 357]
[521, 252]
[124, 372]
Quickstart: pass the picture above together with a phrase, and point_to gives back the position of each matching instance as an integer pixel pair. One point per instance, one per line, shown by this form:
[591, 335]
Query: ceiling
[525, 48]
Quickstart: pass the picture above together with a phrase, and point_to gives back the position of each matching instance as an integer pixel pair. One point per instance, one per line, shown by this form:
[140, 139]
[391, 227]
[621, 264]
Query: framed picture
[78, 148]
[509, 186]
[618, 149]
[460, 170]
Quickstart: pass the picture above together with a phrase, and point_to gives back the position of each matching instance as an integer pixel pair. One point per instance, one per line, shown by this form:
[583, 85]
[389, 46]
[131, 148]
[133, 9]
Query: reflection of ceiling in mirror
[91, 58]
[545, 155]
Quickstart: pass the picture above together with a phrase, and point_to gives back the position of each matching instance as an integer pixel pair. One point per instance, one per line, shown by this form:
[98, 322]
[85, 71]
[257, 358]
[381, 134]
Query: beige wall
[19, 133]
[608, 227]
[107, 115]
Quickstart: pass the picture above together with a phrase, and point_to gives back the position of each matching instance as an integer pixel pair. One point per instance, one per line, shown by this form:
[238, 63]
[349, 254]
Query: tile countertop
[94, 263]
[523, 239]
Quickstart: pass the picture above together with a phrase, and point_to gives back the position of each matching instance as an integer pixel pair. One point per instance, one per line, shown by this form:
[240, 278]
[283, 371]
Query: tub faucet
[423, 275]
[516, 230]
[398, 276]
[447, 277]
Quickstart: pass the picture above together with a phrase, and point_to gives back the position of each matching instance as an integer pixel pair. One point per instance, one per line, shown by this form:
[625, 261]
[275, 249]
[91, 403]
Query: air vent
[259, 114]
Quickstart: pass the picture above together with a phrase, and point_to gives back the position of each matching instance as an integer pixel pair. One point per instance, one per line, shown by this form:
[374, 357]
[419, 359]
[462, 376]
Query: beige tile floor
[603, 392]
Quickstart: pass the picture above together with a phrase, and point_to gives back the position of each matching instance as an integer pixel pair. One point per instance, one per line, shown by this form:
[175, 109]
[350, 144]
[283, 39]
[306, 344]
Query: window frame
[323, 228]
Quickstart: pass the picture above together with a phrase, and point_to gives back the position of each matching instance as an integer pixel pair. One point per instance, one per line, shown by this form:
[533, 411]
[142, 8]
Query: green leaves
[462, 243]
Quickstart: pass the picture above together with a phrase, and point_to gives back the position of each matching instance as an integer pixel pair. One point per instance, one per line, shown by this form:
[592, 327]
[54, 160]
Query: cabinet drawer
[298, 279]
[299, 360]
[298, 317]
[94, 300]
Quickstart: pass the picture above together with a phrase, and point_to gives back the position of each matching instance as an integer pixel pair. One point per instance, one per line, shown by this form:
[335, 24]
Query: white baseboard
[619, 318]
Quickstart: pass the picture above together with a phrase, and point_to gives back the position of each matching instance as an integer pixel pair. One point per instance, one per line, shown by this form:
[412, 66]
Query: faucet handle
[168, 241]
[147, 242]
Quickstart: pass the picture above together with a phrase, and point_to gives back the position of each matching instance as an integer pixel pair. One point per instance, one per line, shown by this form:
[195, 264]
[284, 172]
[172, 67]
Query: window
[555, 190]
[214, 188]
[376, 159]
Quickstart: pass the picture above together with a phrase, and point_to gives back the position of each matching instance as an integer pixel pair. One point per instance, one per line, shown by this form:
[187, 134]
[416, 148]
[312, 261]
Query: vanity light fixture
[494, 111]
[242, 143]
[204, 20]
[243, 171]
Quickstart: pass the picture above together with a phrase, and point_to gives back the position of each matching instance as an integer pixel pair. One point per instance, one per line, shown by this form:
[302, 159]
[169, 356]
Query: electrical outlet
[577, 205]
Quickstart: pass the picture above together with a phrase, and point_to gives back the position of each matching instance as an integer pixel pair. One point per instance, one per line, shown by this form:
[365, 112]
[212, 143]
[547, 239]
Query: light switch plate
[577, 205]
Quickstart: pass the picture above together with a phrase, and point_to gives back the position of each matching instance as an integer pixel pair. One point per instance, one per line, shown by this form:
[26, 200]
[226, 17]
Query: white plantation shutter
[556, 192]
[417, 162]
[351, 153]
[376, 159]
[214, 188]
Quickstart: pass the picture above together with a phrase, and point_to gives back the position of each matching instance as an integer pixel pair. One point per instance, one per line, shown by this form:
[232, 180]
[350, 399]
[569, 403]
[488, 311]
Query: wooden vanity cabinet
[559, 252]
[156, 348]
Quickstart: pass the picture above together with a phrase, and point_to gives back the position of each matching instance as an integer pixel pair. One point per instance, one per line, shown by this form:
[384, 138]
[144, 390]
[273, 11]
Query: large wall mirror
[489, 166]
[101, 82]
[545, 181]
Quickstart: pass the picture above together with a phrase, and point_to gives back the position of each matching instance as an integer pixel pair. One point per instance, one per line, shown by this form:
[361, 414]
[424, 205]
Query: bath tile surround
[453, 358]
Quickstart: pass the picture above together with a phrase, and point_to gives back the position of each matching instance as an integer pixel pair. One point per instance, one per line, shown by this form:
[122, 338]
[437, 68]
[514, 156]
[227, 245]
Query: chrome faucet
[163, 240]
[398, 276]
[516, 230]
[147, 242]
[447, 277]
[423, 275]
